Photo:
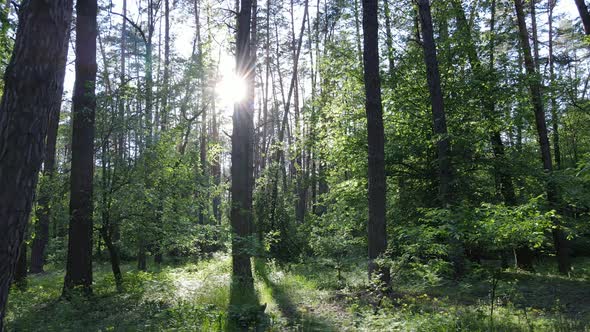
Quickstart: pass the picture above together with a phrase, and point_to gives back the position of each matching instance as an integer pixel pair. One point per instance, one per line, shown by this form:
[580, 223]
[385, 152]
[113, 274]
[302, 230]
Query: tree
[584, 15]
[241, 155]
[443, 143]
[79, 261]
[44, 217]
[534, 84]
[376, 141]
[33, 83]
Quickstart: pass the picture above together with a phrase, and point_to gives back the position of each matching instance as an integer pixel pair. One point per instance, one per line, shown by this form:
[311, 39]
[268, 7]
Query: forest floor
[307, 297]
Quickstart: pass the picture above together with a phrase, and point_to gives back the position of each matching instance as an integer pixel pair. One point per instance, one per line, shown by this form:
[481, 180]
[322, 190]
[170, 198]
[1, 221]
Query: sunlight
[231, 89]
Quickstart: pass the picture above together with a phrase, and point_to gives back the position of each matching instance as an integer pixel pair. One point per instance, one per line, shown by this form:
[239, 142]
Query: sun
[231, 88]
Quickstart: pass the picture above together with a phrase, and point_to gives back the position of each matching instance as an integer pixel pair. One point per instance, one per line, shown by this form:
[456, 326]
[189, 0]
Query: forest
[294, 165]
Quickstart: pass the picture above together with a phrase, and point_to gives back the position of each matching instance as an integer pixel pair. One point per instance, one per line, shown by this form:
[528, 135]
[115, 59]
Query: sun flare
[231, 88]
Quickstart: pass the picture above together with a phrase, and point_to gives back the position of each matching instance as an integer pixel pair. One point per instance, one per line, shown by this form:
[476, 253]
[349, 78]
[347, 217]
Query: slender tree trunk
[559, 238]
[443, 143]
[33, 83]
[535, 35]
[389, 40]
[164, 113]
[79, 261]
[121, 129]
[377, 230]
[503, 177]
[554, 107]
[584, 15]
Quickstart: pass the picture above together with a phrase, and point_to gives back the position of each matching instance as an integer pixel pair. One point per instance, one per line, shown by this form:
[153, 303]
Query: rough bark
[79, 261]
[44, 216]
[33, 82]
[559, 238]
[584, 15]
[242, 155]
[443, 143]
[20, 274]
[377, 230]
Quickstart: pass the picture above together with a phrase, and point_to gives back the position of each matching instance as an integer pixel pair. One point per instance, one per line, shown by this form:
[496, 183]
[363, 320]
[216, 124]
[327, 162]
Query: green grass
[306, 297]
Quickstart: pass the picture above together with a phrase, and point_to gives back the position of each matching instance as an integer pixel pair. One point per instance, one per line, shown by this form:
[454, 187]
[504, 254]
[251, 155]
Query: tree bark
[554, 107]
[584, 15]
[242, 154]
[443, 143]
[559, 238]
[79, 261]
[377, 230]
[44, 217]
[20, 275]
[389, 40]
[166, 80]
[33, 83]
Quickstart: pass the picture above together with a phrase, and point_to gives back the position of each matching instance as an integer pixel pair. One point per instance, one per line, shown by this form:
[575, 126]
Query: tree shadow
[244, 310]
[289, 310]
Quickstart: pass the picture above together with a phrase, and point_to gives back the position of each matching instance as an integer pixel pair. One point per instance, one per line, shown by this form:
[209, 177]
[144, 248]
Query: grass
[307, 297]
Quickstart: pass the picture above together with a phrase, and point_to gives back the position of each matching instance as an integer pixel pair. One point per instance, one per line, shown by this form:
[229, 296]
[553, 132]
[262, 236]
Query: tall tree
[554, 107]
[242, 154]
[534, 81]
[443, 143]
[44, 210]
[584, 15]
[376, 141]
[79, 261]
[33, 83]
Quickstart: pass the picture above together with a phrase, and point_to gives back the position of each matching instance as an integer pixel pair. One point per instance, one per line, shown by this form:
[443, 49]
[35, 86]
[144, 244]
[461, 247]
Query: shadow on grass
[41, 307]
[244, 310]
[289, 310]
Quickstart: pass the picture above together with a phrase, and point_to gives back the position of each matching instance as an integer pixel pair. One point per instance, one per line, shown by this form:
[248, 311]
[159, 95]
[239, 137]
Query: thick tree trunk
[377, 230]
[20, 274]
[33, 83]
[559, 238]
[44, 217]
[79, 261]
[584, 15]
[242, 151]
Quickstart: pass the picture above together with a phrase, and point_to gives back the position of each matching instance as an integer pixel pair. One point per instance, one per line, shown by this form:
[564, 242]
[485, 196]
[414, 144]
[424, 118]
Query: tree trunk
[584, 15]
[438, 113]
[107, 233]
[79, 261]
[33, 83]
[554, 107]
[389, 39]
[242, 163]
[44, 217]
[559, 239]
[377, 230]
[166, 80]
[20, 274]
[443, 143]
